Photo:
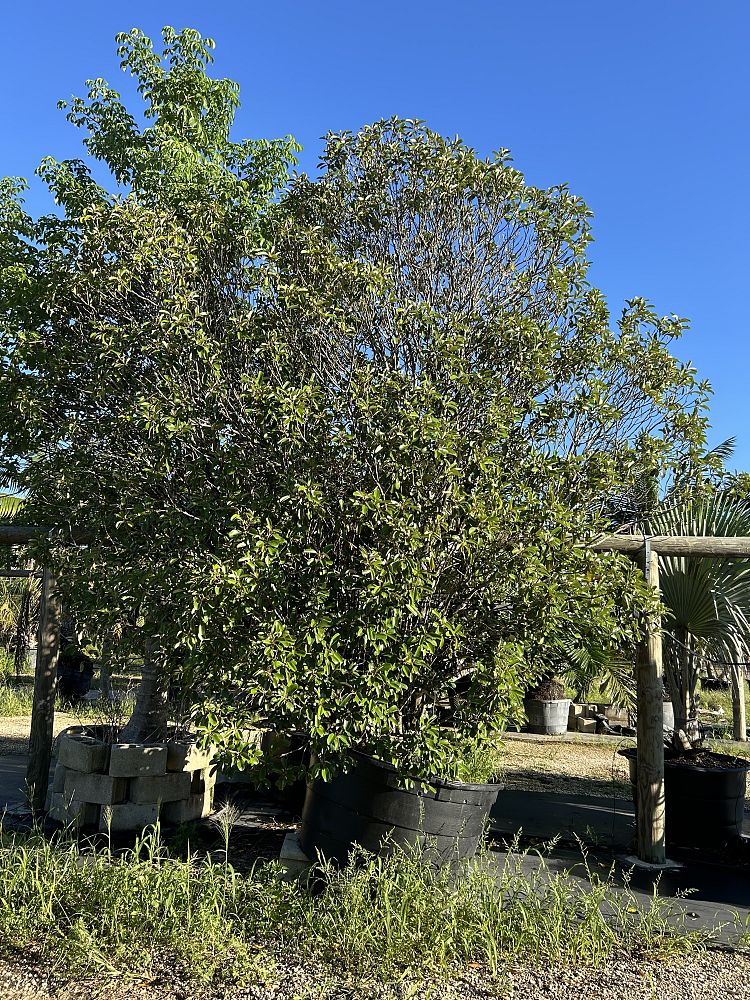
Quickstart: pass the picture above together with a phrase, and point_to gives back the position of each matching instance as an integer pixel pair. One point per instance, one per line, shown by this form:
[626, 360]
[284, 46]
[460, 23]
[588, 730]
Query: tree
[337, 451]
[117, 332]
[461, 413]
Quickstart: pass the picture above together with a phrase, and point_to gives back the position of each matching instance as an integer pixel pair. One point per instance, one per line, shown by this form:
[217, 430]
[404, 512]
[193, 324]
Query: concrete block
[187, 810]
[83, 753]
[575, 712]
[164, 788]
[205, 778]
[129, 816]
[186, 756]
[136, 760]
[618, 715]
[587, 725]
[292, 858]
[58, 778]
[101, 789]
[71, 811]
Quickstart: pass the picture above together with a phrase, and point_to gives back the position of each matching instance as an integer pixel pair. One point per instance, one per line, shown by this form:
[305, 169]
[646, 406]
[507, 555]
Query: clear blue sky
[641, 106]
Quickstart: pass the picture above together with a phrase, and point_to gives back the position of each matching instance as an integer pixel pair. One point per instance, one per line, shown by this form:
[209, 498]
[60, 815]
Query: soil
[708, 759]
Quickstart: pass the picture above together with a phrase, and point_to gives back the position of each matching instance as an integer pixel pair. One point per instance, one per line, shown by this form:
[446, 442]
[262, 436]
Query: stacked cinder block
[582, 718]
[127, 786]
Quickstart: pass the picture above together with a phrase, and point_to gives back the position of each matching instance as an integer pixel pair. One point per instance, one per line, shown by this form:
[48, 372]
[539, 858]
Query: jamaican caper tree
[336, 445]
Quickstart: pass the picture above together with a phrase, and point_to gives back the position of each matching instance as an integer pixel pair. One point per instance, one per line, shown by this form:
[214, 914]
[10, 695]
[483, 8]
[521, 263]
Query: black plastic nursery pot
[370, 806]
[704, 802]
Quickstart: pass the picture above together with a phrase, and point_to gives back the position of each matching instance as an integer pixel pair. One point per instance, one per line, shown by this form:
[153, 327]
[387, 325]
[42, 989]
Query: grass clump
[77, 907]
[15, 700]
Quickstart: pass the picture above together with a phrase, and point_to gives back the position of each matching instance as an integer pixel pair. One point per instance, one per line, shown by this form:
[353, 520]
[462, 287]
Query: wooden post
[737, 674]
[45, 685]
[650, 747]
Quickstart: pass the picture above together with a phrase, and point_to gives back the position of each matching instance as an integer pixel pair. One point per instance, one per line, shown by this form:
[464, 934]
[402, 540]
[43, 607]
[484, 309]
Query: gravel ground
[705, 976]
[15, 729]
[575, 768]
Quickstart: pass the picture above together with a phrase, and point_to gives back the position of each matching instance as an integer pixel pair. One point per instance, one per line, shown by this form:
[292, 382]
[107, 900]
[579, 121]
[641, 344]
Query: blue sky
[641, 107]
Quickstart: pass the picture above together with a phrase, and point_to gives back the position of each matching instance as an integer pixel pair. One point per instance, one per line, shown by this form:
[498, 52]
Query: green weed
[82, 909]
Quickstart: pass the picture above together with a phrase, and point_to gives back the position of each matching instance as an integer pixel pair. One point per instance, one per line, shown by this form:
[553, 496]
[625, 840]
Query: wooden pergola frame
[650, 733]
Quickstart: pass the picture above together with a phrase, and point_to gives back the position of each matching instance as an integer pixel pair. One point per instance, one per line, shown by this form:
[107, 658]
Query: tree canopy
[337, 443]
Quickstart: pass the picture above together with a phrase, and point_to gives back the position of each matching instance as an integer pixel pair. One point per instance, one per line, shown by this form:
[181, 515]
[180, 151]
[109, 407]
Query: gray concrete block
[101, 789]
[292, 858]
[83, 753]
[129, 816]
[617, 715]
[187, 810]
[575, 712]
[163, 788]
[586, 725]
[58, 778]
[186, 756]
[71, 811]
[136, 760]
[205, 778]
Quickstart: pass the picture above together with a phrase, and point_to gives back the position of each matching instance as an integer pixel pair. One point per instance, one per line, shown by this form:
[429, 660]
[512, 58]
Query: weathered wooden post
[45, 684]
[737, 674]
[650, 744]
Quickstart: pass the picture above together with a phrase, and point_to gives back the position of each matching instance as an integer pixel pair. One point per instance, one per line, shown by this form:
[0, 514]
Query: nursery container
[370, 806]
[550, 718]
[704, 805]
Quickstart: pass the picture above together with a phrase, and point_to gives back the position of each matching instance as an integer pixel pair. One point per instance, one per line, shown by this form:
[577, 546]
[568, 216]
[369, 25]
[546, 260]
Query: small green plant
[82, 908]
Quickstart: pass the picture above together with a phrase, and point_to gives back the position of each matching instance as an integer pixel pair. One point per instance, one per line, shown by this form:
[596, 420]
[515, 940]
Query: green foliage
[707, 601]
[336, 449]
[83, 911]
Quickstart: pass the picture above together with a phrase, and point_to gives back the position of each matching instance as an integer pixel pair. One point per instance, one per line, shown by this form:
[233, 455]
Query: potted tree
[547, 707]
[337, 445]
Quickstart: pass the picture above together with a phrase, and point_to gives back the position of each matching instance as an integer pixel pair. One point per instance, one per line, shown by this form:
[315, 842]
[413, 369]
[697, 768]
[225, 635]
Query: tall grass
[15, 700]
[81, 908]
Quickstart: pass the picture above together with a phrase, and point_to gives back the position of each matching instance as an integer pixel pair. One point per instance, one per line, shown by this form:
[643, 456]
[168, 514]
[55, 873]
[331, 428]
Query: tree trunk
[105, 676]
[148, 723]
[737, 674]
[45, 684]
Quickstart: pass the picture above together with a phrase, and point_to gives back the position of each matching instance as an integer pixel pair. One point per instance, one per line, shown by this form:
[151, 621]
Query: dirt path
[14, 731]
[574, 768]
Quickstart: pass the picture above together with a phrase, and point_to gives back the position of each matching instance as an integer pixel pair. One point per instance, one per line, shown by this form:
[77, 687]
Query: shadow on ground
[550, 781]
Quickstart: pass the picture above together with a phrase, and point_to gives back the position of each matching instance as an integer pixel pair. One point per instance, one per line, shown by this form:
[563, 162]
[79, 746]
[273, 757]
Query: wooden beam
[19, 572]
[45, 685]
[650, 742]
[677, 545]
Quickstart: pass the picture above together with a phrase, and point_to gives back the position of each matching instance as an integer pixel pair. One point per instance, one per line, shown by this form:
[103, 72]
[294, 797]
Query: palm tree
[707, 600]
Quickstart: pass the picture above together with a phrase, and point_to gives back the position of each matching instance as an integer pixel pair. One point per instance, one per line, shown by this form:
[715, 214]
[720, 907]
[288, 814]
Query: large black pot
[704, 805]
[370, 806]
